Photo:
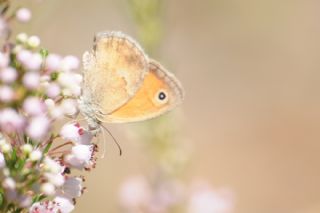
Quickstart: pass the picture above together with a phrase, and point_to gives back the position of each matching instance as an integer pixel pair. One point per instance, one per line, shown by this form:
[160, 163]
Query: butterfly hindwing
[159, 93]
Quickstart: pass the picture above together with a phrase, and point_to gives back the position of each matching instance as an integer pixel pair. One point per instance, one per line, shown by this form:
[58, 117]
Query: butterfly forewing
[118, 69]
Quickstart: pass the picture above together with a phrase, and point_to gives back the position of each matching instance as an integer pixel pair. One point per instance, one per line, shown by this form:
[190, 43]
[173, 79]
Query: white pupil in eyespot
[162, 96]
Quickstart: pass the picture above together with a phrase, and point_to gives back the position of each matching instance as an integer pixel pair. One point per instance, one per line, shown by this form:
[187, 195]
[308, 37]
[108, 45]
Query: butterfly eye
[161, 97]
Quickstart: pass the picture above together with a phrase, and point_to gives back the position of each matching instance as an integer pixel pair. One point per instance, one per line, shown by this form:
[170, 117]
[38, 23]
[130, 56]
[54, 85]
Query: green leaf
[46, 149]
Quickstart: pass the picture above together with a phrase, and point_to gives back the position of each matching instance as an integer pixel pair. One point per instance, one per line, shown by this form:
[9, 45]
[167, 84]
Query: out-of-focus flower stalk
[164, 189]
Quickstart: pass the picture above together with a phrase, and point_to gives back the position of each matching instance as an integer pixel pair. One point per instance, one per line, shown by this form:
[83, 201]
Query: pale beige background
[251, 70]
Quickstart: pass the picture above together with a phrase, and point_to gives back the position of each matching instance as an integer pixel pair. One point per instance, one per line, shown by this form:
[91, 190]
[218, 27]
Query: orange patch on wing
[142, 103]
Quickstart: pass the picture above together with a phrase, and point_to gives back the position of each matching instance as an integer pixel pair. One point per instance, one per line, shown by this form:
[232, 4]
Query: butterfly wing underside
[114, 72]
[159, 93]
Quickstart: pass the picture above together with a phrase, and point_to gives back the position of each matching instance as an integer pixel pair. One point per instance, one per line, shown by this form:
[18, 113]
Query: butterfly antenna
[114, 139]
[104, 142]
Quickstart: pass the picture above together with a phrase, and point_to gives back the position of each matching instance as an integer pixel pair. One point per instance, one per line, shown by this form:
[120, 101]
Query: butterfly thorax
[89, 113]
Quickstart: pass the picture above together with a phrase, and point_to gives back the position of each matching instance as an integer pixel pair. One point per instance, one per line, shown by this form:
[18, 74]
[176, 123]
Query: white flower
[6, 148]
[69, 107]
[80, 156]
[70, 62]
[2, 161]
[23, 15]
[65, 204]
[58, 205]
[8, 75]
[65, 79]
[35, 155]
[26, 148]
[33, 41]
[9, 183]
[69, 132]
[72, 188]
[76, 134]
[22, 37]
[34, 106]
[52, 166]
[38, 127]
[48, 189]
[55, 179]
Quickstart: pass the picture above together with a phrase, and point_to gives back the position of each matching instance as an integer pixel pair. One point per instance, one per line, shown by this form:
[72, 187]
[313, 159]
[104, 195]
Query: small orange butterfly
[121, 84]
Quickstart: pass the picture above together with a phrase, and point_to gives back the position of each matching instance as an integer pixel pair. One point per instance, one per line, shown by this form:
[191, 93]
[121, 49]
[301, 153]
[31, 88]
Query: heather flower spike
[38, 89]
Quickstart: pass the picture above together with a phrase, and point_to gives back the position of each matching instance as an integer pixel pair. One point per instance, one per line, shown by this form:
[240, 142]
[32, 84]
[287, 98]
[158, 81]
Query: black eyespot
[162, 96]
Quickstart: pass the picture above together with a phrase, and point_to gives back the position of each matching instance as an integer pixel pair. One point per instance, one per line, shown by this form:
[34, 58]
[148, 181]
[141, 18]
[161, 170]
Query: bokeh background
[251, 118]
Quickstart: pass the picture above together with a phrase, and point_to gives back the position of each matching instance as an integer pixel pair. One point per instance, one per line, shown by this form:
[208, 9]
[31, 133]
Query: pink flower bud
[34, 62]
[31, 80]
[34, 106]
[8, 75]
[6, 94]
[69, 107]
[53, 90]
[38, 127]
[24, 56]
[70, 62]
[53, 62]
[11, 121]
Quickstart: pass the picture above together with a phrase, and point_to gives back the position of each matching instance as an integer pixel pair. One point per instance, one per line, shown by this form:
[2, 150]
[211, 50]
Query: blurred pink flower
[23, 15]
[6, 94]
[8, 75]
[204, 199]
[53, 90]
[70, 62]
[4, 60]
[34, 62]
[135, 192]
[53, 62]
[38, 127]
[11, 121]
[34, 106]
[24, 56]
[31, 80]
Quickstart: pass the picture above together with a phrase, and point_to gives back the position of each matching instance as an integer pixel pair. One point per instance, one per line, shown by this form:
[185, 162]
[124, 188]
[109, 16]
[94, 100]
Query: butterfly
[122, 84]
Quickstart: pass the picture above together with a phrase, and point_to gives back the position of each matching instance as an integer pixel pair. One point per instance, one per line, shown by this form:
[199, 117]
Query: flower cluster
[173, 196]
[38, 91]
